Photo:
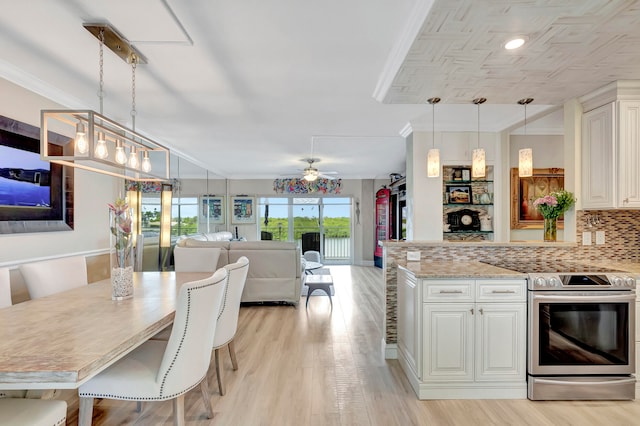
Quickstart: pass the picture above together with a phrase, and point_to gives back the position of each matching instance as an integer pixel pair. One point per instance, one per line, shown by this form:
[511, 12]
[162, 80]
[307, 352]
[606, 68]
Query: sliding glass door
[315, 223]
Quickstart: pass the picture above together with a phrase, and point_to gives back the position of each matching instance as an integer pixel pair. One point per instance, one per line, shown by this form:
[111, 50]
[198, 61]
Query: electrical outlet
[586, 238]
[413, 255]
[599, 237]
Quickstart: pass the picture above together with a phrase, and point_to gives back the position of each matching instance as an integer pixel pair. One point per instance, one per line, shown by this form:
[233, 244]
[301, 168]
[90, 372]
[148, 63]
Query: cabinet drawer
[497, 290]
[447, 291]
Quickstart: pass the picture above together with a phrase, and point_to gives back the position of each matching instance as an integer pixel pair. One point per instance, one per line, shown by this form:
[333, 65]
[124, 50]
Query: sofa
[276, 268]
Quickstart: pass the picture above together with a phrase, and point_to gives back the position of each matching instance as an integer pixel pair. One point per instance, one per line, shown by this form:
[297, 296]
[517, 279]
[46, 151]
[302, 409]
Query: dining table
[63, 340]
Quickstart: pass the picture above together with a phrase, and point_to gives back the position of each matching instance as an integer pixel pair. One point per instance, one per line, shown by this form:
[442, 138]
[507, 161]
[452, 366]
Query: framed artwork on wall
[459, 194]
[242, 210]
[524, 191]
[212, 209]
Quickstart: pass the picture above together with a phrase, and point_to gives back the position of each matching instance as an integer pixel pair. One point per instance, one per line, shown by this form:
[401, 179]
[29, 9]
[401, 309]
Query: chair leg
[86, 411]
[232, 354]
[178, 410]
[219, 371]
[206, 397]
[138, 406]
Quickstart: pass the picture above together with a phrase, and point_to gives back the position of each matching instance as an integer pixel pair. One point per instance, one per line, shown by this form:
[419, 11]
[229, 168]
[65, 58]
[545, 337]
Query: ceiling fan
[310, 173]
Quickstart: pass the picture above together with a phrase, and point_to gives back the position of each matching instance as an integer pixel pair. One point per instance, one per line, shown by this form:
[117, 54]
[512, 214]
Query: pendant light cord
[101, 70]
[134, 64]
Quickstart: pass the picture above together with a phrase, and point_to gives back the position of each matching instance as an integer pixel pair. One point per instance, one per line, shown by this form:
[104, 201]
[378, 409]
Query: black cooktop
[548, 266]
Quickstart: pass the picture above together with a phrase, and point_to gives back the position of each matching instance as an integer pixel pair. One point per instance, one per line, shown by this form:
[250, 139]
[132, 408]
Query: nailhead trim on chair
[162, 397]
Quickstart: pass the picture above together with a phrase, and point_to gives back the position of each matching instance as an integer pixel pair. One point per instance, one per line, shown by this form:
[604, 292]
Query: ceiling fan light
[310, 174]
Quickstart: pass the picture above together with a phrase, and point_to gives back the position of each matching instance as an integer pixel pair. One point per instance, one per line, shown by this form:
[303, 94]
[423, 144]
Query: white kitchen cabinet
[500, 341]
[610, 155]
[448, 341]
[472, 337]
[408, 324]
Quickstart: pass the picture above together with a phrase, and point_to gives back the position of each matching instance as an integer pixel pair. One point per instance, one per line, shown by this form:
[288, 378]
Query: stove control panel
[577, 281]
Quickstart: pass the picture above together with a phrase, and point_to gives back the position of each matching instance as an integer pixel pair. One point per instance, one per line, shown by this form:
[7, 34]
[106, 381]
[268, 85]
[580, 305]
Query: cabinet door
[629, 148]
[447, 342]
[500, 341]
[598, 166]
[408, 321]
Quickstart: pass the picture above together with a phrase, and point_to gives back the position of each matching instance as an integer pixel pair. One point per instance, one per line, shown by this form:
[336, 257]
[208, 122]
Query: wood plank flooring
[323, 367]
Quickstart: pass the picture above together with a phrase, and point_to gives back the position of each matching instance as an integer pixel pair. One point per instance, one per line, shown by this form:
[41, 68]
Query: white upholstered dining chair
[196, 259]
[166, 370]
[5, 288]
[32, 412]
[54, 276]
[228, 319]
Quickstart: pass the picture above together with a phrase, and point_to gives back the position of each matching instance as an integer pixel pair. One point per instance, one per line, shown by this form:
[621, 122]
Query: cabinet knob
[481, 311]
[626, 200]
[471, 311]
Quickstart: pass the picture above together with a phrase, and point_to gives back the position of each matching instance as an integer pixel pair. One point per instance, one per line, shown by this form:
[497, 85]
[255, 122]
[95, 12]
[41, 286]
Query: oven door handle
[600, 298]
[580, 383]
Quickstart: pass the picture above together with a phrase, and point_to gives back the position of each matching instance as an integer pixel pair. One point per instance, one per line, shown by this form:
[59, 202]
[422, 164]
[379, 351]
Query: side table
[318, 282]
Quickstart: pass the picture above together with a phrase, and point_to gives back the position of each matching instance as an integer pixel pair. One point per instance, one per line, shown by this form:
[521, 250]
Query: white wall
[91, 194]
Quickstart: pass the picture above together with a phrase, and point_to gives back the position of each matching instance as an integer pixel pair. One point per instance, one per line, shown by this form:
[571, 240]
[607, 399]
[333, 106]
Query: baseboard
[367, 263]
[390, 350]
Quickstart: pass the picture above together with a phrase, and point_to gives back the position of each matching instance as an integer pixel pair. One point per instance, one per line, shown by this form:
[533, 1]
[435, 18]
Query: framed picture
[212, 209]
[459, 194]
[461, 174]
[243, 210]
[524, 191]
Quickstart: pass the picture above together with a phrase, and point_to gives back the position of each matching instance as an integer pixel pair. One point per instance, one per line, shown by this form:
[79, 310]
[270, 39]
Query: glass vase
[121, 254]
[550, 229]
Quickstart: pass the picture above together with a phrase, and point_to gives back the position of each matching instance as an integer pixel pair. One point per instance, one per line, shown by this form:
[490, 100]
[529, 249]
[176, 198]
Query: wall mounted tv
[35, 195]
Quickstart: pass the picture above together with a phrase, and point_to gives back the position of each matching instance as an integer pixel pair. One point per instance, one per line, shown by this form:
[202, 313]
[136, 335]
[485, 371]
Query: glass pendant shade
[133, 158]
[82, 146]
[121, 157]
[433, 163]
[101, 150]
[525, 162]
[146, 162]
[478, 163]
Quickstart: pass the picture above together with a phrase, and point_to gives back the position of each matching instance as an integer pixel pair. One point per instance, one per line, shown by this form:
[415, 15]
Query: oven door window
[584, 333]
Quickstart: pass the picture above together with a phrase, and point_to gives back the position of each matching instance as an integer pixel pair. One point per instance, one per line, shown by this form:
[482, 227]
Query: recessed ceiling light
[514, 43]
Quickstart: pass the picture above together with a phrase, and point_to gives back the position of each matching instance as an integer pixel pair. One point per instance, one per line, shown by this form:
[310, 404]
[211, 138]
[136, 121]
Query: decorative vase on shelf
[550, 228]
[121, 256]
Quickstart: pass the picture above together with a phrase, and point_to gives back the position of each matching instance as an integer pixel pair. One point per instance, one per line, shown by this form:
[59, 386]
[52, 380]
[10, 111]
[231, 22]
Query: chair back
[228, 318]
[188, 353]
[54, 276]
[196, 259]
[5, 288]
[312, 256]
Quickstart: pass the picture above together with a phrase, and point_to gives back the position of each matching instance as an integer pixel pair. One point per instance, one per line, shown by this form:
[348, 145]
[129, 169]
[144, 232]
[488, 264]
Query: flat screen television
[35, 195]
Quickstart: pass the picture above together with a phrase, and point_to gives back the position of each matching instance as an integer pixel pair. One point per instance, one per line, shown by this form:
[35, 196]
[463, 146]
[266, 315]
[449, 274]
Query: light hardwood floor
[323, 367]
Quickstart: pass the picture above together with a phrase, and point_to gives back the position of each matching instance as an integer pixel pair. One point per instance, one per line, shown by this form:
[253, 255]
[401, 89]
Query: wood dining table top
[63, 340]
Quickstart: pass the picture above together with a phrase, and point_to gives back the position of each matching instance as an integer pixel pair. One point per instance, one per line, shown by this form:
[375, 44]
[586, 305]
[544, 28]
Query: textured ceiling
[574, 47]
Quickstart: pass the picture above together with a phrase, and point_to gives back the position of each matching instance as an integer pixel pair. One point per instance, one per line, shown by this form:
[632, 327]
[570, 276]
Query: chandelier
[98, 143]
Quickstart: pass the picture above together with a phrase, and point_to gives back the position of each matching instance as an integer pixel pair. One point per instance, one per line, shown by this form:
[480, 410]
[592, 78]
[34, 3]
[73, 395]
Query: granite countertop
[462, 269]
[630, 267]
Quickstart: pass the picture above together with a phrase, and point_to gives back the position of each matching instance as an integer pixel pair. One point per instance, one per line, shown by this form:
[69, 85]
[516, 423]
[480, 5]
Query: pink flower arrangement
[121, 229]
[551, 206]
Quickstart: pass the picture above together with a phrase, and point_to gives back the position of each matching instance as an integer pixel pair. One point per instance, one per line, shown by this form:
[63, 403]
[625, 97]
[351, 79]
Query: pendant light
[525, 155]
[433, 156]
[478, 160]
[101, 144]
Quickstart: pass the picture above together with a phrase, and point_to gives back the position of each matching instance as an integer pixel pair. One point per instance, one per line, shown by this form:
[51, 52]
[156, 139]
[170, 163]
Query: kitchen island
[461, 330]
